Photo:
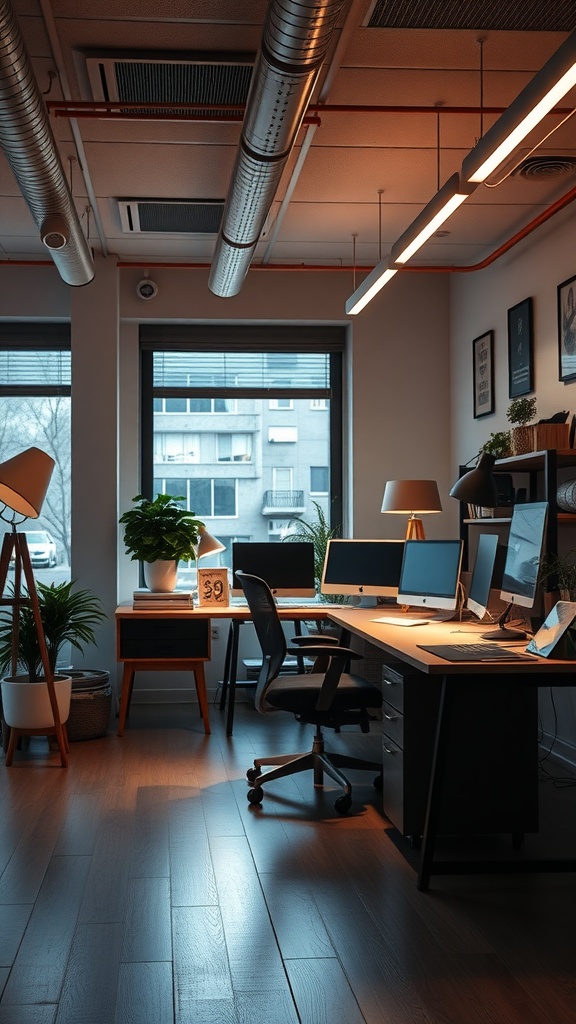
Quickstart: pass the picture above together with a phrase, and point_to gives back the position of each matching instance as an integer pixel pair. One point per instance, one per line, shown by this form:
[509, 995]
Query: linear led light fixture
[539, 97]
[370, 286]
[438, 210]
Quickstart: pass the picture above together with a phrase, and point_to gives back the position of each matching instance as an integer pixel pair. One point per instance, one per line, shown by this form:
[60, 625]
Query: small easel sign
[213, 587]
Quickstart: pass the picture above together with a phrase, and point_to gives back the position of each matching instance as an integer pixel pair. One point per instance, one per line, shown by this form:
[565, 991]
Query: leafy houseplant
[521, 412]
[68, 616]
[84, 696]
[161, 531]
[319, 532]
[499, 444]
[560, 571]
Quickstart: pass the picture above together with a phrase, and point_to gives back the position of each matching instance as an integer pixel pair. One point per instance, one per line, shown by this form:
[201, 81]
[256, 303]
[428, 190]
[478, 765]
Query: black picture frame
[567, 330]
[483, 374]
[520, 349]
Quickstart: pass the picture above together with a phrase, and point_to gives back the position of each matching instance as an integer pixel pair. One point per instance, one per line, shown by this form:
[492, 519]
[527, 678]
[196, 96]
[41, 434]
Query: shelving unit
[542, 472]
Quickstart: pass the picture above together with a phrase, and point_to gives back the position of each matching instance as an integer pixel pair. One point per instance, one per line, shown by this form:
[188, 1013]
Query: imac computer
[430, 576]
[288, 568]
[367, 569]
[520, 575]
[481, 581]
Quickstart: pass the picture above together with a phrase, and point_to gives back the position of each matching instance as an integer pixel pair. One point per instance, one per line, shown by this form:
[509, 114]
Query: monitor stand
[502, 633]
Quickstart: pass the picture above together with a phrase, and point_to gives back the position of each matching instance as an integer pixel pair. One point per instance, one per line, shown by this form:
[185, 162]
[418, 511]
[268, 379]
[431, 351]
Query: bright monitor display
[430, 574]
[288, 568]
[362, 568]
[479, 591]
[523, 554]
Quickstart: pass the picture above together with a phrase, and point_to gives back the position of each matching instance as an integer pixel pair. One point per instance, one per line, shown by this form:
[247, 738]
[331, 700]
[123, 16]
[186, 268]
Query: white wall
[479, 302]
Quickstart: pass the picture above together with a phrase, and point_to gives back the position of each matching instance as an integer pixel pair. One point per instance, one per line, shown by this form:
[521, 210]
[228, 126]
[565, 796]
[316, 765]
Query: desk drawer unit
[493, 750]
[166, 639]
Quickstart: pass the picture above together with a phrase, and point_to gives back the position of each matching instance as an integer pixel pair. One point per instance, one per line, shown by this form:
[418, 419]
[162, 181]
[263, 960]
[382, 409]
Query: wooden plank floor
[139, 887]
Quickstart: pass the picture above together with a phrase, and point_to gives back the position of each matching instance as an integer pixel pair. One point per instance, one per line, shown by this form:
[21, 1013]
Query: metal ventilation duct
[295, 41]
[28, 143]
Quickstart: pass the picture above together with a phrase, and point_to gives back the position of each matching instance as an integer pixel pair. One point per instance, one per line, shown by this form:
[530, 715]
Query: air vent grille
[196, 216]
[513, 16]
[136, 79]
[546, 167]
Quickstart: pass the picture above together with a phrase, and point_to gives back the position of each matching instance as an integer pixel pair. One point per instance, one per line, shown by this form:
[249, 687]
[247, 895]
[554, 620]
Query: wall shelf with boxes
[541, 476]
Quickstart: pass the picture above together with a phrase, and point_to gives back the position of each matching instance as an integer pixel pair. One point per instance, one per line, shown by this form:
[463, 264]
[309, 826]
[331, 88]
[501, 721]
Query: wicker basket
[90, 704]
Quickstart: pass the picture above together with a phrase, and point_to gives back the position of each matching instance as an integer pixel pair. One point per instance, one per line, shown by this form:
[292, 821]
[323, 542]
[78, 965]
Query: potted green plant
[558, 572]
[68, 616]
[521, 412]
[499, 444]
[160, 533]
[319, 532]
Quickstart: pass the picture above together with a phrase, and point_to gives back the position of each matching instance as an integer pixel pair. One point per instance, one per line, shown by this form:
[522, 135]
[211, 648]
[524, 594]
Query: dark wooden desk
[453, 680]
[174, 640]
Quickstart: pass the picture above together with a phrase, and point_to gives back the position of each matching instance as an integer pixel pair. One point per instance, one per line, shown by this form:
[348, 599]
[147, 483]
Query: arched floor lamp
[24, 482]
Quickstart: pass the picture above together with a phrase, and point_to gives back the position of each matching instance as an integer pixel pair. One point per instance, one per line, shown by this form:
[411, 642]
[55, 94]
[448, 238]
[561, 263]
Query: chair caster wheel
[343, 804]
[252, 774]
[379, 783]
[256, 795]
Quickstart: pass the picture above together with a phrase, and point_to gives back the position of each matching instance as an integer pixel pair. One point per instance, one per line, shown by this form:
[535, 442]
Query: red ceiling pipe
[560, 204]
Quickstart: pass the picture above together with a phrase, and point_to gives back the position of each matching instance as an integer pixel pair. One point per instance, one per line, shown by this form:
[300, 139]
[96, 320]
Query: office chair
[326, 699]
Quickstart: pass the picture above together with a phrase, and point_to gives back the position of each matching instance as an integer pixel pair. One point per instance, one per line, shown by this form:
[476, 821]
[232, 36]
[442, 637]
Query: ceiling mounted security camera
[146, 289]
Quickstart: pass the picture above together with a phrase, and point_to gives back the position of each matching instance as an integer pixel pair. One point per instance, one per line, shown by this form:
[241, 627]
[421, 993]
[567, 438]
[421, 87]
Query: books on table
[147, 600]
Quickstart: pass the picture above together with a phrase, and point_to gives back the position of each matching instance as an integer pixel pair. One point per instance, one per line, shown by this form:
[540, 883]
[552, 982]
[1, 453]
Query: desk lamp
[208, 545]
[24, 480]
[478, 486]
[412, 498]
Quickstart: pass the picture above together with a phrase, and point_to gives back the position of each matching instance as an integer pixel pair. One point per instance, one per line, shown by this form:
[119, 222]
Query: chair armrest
[306, 641]
[318, 651]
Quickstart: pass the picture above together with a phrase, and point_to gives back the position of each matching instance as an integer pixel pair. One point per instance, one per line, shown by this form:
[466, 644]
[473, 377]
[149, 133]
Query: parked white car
[42, 548]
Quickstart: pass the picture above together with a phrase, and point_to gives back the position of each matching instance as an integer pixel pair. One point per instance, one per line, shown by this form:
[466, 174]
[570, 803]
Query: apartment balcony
[283, 503]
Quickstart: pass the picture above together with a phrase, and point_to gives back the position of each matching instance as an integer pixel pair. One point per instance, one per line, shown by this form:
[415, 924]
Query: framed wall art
[483, 374]
[520, 349]
[567, 330]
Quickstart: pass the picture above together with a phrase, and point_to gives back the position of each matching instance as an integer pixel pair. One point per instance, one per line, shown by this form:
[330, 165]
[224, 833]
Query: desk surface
[402, 643]
[238, 612]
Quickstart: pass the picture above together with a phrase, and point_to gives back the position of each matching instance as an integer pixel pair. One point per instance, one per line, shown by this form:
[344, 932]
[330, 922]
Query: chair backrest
[268, 630]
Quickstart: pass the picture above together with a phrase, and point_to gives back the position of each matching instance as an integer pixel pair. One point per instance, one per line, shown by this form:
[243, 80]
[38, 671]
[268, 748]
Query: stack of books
[150, 599]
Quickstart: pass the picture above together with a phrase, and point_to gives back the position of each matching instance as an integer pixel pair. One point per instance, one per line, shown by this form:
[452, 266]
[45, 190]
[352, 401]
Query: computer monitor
[288, 568]
[481, 581]
[523, 555]
[430, 575]
[367, 569]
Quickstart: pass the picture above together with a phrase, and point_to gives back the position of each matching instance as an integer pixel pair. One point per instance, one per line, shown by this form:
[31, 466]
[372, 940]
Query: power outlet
[215, 632]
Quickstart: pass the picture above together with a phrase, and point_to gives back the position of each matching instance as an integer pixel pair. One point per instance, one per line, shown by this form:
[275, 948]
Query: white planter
[26, 705]
[161, 576]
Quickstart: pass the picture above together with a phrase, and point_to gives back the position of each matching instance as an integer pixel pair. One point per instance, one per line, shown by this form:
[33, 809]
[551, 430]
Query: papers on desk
[399, 621]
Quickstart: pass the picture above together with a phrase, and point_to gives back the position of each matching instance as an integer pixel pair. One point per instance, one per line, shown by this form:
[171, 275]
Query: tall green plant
[68, 616]
[319, 532]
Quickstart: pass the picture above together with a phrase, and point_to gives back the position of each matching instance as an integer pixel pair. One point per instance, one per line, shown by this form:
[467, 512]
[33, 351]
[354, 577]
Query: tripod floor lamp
[24, 481]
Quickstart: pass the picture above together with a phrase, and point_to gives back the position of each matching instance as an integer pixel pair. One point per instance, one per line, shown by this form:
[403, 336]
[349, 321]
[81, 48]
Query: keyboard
[474, 652]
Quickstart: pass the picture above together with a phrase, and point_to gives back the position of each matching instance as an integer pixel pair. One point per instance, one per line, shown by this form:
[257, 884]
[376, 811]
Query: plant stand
[16, 543]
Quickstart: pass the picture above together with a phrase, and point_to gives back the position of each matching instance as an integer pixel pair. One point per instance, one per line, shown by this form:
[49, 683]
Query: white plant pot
[26, 705]
[161, 576]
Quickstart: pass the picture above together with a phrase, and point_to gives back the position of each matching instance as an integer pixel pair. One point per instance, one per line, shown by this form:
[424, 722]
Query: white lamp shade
[209, 545]
[411, 496]
[24, 481]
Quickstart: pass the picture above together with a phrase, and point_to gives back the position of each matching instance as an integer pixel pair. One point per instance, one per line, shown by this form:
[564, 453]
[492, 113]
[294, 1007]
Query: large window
[230, 422]
[35, 387]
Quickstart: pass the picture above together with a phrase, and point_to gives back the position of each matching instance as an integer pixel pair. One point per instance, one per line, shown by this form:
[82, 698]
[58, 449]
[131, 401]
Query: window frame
[246, 338]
